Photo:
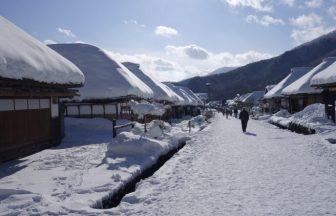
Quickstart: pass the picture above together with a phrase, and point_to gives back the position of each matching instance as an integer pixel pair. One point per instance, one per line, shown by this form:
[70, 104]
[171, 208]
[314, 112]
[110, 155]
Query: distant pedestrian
[235, 111]
[244, 117]
[227, 112]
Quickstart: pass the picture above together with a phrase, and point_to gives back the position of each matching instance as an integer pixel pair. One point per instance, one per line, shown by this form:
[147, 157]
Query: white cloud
[288, 2]
[260, 5]
[133, 22]
[306, 21]
[49, 41]
[314, 3]
[66, 32]
[332, 11]
[192, 51]
[265, 20]
[165, 31]
[181, 62]
[304, 35]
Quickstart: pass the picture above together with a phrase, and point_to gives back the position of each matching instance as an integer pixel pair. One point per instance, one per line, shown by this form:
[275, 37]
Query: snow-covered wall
[24, 57]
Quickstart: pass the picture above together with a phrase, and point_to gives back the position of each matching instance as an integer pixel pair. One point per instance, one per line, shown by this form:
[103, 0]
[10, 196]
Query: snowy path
[224, 172]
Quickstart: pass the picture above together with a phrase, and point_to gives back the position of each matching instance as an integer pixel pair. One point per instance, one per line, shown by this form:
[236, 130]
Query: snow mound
[157, 129]
[24, 57]
[105, 77]
[198, 120]
[312, 116]
[129, 144]
[282, 113]
[144, 108]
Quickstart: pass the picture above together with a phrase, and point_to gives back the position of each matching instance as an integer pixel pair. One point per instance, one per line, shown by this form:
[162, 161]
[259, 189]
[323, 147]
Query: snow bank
[295, 74]
[312, 118]
[144, 108]
[105, 77]
[303, 85]
[326, 76]
[160, 90]
[24, 57]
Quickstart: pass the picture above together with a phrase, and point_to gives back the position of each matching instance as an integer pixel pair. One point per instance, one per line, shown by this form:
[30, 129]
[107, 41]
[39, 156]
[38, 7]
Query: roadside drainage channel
[295, 128]
[114, 199]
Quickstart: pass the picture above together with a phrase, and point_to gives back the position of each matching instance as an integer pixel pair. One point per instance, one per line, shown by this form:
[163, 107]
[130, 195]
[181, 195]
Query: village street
[222, 171]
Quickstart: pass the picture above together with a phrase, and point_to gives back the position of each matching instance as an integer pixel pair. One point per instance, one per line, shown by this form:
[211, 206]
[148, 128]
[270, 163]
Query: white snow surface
[189, 97]
[24, 57]
[105, 77]
[303, 85]
[294, 75]
[326, 76]
[160, 90]
[222, 171]
[89, 165]
[253, 97]
[313, 116]
[145, 108]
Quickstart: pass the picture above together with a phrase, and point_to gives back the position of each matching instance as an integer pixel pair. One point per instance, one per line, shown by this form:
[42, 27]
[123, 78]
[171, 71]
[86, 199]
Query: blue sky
[175, 39]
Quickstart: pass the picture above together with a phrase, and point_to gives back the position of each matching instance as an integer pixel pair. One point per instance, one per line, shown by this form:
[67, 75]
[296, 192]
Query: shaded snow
[105, 77]
[160, 90]
[24, 57]
[295, 74]
[326, 76]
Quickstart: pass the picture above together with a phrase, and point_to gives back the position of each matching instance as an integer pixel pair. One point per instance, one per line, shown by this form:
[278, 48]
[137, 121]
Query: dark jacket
[244, 115]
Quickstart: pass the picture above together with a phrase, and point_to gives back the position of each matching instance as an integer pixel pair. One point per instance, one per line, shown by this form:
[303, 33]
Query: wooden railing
[116, 127]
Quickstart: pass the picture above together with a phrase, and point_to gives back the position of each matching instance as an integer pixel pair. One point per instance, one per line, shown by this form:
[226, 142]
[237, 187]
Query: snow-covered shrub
[282, 113]
[198, 120]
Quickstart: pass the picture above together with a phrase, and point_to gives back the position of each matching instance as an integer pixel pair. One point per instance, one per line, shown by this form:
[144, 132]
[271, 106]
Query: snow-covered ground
[221, 171]
[267, 171]
[86, 167]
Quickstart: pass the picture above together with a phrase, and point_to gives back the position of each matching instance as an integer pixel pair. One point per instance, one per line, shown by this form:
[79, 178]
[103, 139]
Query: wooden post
[114, 130]
[189, 125]
[145, 120]
[117, 111]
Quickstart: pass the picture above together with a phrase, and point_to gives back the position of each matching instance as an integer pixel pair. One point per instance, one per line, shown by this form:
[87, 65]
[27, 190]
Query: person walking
[235, 111]
[244, 117]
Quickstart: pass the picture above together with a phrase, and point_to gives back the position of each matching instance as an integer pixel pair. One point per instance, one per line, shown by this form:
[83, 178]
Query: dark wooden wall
[23, 132]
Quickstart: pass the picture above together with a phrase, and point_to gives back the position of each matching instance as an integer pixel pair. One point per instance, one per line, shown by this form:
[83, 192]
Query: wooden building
[275, 98]
[301, 94]
[33, 78]
[326, 81]
[109, 87]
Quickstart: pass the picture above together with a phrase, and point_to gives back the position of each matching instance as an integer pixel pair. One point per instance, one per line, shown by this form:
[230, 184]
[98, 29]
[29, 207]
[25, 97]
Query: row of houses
[305, 86]
[40, 84]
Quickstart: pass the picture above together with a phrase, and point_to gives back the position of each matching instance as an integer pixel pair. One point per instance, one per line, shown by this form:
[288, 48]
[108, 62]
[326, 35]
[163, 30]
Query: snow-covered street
[268, 171]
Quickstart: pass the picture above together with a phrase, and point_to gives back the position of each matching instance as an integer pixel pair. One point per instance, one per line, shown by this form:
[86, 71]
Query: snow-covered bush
[282, 113]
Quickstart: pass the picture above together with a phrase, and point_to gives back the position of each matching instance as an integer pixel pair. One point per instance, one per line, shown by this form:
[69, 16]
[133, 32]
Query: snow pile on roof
[24, 57]
[253, 97]
[105, 77]
[144, 108]
[327, 76]
[268, 88]
[161, 91]
[189, 97]
[295, 74]
[302, 85]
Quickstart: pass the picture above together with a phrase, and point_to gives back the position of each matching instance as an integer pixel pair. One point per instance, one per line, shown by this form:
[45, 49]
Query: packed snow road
[222, 171]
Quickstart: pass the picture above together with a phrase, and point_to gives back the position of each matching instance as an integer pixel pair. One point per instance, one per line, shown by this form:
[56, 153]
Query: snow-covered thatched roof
[161, 91]
[189, 98]
[105, 77]
[253, 97]
[295, 74]
[325, 77]
[302, 85]
[268, 88]
[24, 57]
